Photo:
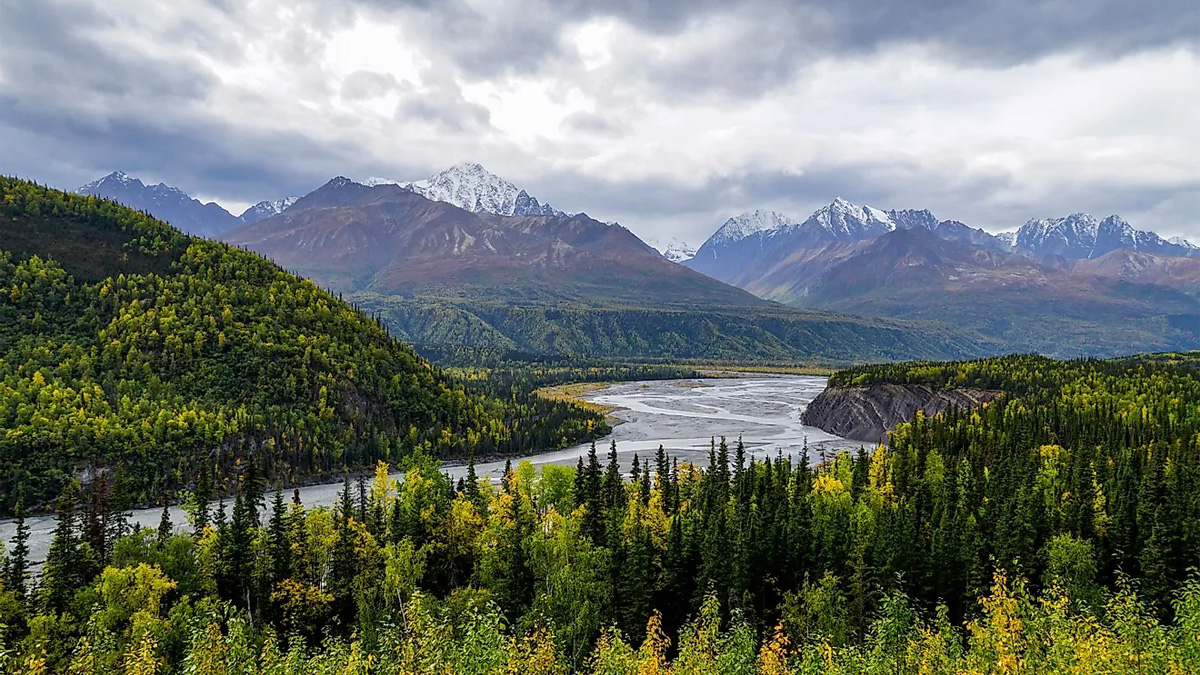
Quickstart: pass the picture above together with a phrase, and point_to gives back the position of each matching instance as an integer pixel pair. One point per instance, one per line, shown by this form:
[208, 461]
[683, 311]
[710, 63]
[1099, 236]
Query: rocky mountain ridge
[471, 187]
[163, 202]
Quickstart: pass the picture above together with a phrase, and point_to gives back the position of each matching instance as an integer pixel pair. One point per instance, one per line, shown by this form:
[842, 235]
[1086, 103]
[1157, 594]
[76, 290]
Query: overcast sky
[667, 116]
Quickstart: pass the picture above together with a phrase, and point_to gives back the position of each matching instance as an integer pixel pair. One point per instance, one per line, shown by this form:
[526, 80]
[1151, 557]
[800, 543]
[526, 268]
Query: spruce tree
[164, 525]
[281, 549]
[343, 561]
[592, 499]
[17, 571]
[201, 498]
[635, 472]
[662, 470]
[613, 489]
[62, 574]
[644, 488]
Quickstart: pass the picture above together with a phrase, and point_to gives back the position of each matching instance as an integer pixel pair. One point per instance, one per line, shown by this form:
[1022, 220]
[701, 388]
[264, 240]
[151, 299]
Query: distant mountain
[1183, 243]
[441, 275]
[390, 240]
[1067, 287]
[1027, 306]
[676, 250]
[163, 202]
[1177, 272]
[266, 209]
[471, 187]
[750, 246]
[1080, 236]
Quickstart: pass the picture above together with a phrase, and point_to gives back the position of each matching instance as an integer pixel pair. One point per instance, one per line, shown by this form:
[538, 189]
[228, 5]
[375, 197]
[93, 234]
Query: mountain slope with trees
[131, 349]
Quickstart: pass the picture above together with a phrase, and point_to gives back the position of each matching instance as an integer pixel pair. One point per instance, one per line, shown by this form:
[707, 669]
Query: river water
[684, 416]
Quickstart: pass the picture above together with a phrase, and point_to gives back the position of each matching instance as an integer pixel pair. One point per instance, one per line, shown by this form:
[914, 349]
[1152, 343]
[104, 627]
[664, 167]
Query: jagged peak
[115, 177]
[339, 181]
[750, 223]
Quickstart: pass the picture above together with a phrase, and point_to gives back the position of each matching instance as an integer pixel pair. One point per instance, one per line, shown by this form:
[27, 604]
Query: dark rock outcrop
[868, 413]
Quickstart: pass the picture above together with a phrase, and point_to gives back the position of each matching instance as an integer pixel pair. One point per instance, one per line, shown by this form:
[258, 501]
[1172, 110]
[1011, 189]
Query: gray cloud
[593, 123]
[77, 100]
[779, 37]
[366, 84]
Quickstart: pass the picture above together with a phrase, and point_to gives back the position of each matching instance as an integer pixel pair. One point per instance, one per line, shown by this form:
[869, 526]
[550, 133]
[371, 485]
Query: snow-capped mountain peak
[471, 187]
[339, 181]
[677, 250]
[266, 209]
[1180, 241]
[114, 180]
[373, 181]
[748, 224]
[845, 220]
[1082, 236]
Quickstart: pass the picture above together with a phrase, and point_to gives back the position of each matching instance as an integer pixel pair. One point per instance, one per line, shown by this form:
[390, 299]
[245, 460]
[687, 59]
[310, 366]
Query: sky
[663, 115]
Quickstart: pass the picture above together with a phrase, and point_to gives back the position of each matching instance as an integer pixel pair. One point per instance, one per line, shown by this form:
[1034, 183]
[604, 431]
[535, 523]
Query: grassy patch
[574, 392]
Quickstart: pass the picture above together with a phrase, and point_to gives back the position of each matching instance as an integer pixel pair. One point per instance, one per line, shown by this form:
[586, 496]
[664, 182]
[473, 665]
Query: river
[681, 415]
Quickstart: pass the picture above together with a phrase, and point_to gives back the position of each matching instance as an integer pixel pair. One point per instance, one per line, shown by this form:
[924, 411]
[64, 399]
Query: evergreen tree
[593, 500]
[17, 570]
[165, 529]
[281, 549]
[613, 490]
[201, 498]
[472, 483]
[662, 470]
[343, 561]
[644, 488]
[62, 573]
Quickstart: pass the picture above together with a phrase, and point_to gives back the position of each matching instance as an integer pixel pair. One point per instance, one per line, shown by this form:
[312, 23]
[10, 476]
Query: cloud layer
[666, 116]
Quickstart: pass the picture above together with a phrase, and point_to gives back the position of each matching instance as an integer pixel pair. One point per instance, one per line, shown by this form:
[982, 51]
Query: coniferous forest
[1053, 530]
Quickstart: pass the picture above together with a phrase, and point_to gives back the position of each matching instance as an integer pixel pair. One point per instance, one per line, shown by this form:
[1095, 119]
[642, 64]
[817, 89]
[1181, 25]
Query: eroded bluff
[868, 413]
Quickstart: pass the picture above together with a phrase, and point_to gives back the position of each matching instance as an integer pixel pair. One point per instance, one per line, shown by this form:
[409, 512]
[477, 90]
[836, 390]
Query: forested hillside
[1056, 530]
[720, 333]
[126, 346]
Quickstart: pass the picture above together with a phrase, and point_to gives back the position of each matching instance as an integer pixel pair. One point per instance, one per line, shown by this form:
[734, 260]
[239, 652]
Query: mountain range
[450, 255]
[387, 239]
[175, 206]
[1067, 286]
[551, 283]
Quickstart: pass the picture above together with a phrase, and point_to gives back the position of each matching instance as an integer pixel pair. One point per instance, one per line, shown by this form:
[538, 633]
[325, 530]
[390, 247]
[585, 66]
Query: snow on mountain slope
[1081, 236]
[1184, 243]
[845, 220]
[748, 224]
[114, 180]
[266, 209]
[471, 187]
[676, 250]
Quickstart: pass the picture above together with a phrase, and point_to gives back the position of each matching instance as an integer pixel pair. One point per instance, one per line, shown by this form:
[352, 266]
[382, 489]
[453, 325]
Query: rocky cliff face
[868, 413]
